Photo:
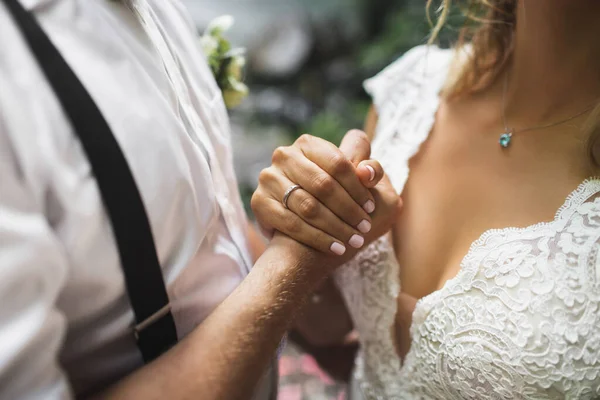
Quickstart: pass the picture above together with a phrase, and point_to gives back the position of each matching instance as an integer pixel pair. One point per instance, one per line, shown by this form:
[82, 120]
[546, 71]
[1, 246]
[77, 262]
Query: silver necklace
[506, 137]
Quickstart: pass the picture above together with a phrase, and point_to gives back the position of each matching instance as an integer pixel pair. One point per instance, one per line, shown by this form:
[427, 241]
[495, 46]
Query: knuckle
[280, 154]
[323, 184]
[304, 138]
[265, 176]
[256, 201]
[308, 208]
[339, 164]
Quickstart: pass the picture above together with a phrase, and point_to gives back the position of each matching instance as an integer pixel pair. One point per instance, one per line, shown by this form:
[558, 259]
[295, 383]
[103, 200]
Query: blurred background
[307, 60]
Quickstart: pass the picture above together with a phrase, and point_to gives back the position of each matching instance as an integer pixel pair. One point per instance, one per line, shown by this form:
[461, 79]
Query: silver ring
[288, 193]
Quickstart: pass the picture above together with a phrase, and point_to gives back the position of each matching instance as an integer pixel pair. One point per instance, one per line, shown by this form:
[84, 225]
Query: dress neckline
[432, 89]
[584, 191]
[407, 95]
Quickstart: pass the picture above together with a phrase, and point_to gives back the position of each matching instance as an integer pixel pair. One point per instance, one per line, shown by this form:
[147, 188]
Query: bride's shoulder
[421, 66]
[422, 56]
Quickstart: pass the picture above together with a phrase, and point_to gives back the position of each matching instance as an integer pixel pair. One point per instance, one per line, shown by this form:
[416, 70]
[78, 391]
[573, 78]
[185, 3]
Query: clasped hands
[338, 199]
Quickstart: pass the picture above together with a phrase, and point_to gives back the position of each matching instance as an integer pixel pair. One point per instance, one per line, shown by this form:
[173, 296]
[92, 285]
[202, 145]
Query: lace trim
[407, 95]
[375, 374]
[588, 188]
[516, 321]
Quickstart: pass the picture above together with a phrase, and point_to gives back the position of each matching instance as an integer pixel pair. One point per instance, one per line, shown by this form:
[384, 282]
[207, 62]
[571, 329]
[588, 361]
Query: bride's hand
[334, 210]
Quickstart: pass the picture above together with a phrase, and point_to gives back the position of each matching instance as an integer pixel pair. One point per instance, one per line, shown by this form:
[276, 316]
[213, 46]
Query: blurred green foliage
[331, 80]
[392, 28]
[404, 28]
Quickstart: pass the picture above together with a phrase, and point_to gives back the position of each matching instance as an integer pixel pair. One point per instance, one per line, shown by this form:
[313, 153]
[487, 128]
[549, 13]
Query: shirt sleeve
[33, 269]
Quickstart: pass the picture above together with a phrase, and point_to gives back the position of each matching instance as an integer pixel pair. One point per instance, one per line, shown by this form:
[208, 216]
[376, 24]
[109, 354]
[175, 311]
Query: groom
[125, 259]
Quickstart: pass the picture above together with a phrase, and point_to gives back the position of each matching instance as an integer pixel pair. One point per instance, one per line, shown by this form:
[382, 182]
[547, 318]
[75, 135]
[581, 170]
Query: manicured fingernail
[364, 226]
[338, 248]
[369, 207]
[372, 171]
[356, 241]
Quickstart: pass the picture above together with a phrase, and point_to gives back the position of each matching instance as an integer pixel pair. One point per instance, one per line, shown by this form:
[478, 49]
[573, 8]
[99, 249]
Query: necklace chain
[533, 128]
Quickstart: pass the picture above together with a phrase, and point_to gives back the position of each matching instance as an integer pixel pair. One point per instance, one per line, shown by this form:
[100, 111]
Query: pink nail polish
[372, 171]
[369, 207]
[356, 241]
[338, 248]
[364, 226]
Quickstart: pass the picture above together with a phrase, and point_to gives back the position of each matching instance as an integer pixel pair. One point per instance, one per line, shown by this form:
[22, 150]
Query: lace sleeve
[381, 86]
[406, 98]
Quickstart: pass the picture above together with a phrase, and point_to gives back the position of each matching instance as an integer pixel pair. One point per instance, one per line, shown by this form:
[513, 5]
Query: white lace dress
[521, 320]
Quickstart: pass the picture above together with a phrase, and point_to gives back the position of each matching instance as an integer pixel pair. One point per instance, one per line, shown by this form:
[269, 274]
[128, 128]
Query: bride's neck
[556, 57]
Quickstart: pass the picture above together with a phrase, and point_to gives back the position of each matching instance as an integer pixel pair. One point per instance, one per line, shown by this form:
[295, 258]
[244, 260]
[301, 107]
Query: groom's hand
[334, 210]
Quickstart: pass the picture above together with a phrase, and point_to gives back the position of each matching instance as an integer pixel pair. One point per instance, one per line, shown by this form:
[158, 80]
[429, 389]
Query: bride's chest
[521, 315]
[460, 186]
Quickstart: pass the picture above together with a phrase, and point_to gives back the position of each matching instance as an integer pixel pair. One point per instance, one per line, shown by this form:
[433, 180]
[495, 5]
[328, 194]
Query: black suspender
[155, 329]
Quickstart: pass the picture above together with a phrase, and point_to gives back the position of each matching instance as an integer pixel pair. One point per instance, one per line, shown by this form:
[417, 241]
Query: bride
[483, 290]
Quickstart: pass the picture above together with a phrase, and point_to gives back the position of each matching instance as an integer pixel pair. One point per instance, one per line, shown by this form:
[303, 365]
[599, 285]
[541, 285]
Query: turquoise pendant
[505, 139]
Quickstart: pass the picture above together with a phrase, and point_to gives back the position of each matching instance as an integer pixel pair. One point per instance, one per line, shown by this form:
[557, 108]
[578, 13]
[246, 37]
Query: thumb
[356, 146]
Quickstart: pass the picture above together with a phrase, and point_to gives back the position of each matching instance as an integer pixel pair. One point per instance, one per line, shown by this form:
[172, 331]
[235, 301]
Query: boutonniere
[226, 63]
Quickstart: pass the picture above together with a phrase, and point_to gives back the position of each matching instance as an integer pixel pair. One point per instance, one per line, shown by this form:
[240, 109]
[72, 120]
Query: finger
[331, 160]
[255, 204]
[311, 210]
[293, 226]
[267, 207]
[300, 170]
[356, 146]
[317, 215]
[370, 173]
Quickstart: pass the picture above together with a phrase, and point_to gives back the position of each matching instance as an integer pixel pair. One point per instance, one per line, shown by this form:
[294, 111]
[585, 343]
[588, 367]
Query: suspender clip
[150, 320]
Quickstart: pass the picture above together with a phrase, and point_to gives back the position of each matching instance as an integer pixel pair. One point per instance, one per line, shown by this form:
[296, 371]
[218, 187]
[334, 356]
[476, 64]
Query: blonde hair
[487, 33]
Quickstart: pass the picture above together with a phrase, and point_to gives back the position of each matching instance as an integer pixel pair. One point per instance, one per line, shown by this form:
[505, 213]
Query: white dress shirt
[65, 319]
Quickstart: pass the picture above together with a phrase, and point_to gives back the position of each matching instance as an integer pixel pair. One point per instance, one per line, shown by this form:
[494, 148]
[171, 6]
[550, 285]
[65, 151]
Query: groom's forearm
[226, 356]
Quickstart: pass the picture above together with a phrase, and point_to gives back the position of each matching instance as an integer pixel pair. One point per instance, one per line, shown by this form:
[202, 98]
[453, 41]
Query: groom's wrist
[296, 264]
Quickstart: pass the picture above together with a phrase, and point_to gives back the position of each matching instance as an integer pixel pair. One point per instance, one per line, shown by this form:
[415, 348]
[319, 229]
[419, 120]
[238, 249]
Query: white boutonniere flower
[227, 64]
